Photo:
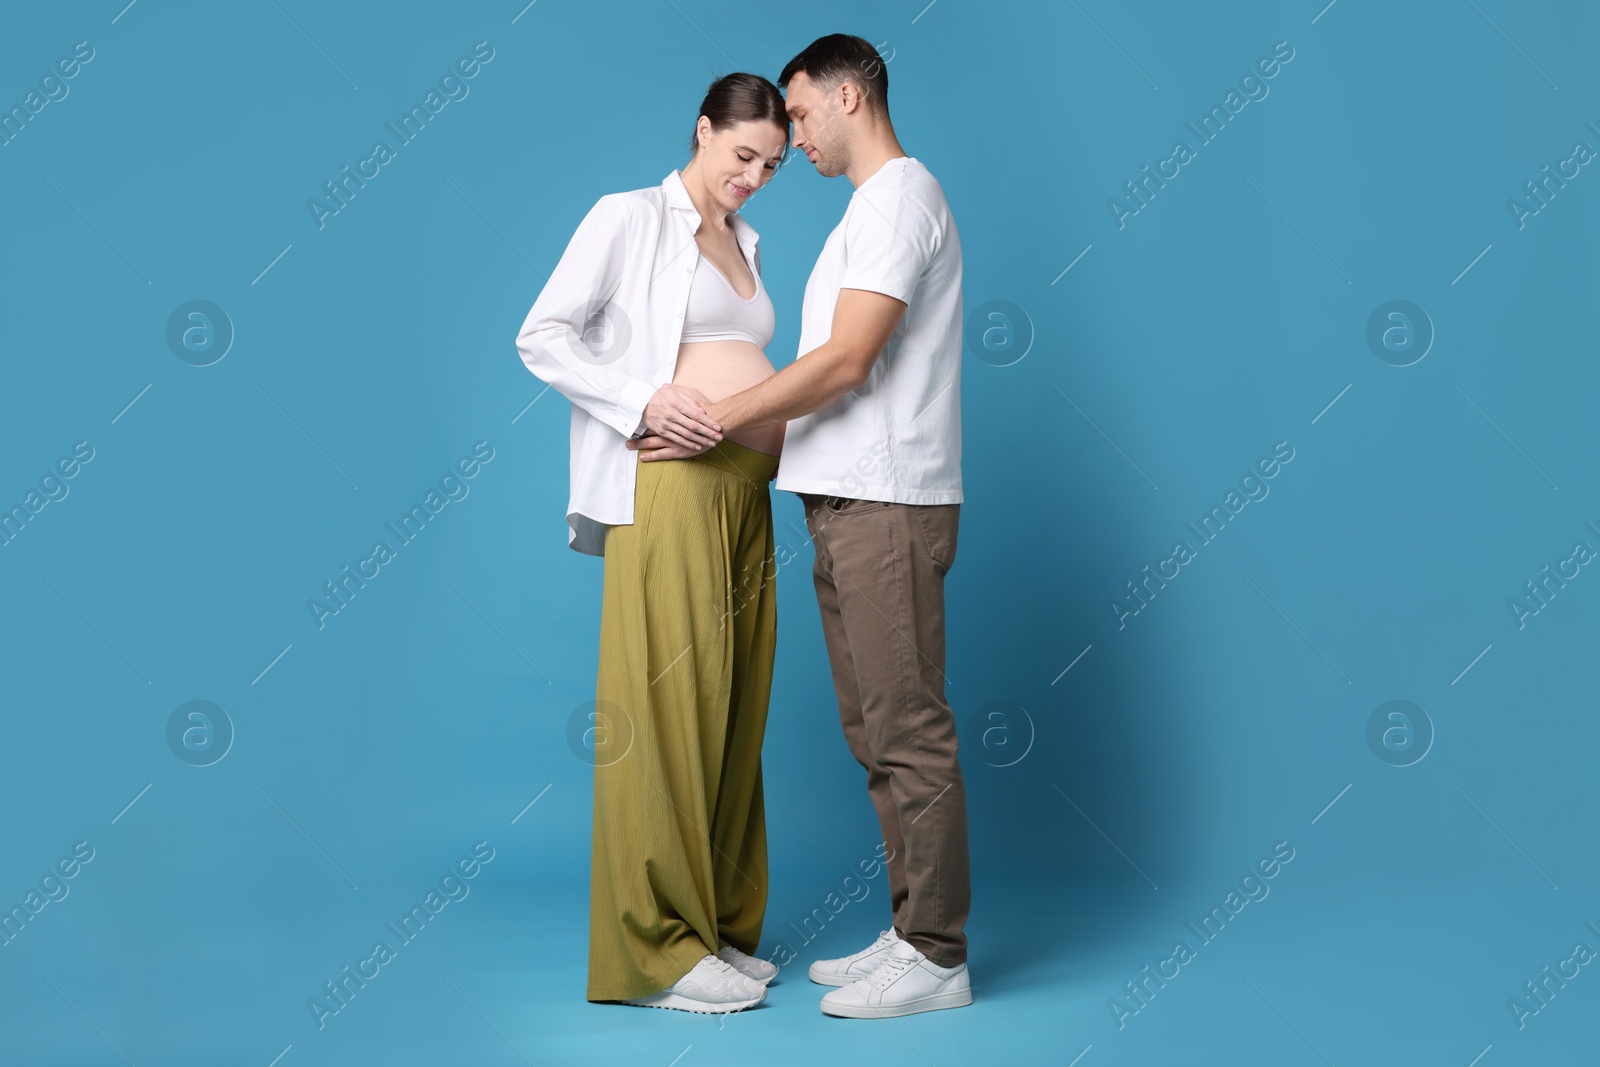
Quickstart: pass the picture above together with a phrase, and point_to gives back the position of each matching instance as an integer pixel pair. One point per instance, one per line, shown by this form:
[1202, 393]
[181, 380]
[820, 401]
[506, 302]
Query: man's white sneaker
[905, 982]
[760, 970]
[711, 987]
[846, 969]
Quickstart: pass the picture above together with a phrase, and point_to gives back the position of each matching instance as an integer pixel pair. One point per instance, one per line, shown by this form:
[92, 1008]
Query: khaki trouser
[688, 628]
[879, 575]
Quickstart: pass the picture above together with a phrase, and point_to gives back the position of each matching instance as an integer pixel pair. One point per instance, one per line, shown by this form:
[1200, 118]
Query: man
[873, 448]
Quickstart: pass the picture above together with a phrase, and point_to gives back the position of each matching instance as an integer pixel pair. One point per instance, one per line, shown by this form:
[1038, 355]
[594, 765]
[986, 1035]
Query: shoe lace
[885, 939]
[889, 970]
[724, 975]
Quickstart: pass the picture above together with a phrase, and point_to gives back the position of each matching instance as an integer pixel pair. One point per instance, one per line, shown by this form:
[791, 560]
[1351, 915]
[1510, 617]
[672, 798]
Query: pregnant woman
[655, 311]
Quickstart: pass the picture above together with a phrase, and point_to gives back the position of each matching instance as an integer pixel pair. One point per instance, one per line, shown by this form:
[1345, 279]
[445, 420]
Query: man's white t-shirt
[897, 437]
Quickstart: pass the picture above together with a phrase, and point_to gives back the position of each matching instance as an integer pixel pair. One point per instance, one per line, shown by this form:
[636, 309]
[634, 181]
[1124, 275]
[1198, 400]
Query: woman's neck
[694, 184]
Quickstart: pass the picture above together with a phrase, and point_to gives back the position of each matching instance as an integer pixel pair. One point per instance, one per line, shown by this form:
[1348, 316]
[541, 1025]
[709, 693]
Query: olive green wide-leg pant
[688, 630]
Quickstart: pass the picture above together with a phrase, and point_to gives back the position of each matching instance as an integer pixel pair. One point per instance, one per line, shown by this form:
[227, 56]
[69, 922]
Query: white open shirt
[605, 332]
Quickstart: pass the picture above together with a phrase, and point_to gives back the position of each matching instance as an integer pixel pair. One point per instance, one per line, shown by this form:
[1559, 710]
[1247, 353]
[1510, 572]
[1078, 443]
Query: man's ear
[849, 97]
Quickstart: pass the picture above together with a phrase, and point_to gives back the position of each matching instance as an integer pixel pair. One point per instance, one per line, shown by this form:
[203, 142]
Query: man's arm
[863, 322]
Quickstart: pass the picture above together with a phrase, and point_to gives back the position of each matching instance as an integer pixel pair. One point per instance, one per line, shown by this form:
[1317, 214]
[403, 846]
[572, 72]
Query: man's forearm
[808, 384]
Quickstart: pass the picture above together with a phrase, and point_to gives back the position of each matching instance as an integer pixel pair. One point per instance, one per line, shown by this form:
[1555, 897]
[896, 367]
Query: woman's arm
[551, 340]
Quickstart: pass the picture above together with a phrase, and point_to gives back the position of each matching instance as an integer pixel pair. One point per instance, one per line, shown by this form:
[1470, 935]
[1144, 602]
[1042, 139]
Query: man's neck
[868, 163]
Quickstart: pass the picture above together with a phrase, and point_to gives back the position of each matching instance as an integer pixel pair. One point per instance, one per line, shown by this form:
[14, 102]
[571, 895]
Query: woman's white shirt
[605, 330]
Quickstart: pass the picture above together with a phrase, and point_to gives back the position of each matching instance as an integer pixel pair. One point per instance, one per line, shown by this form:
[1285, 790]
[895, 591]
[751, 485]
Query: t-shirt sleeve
[888, 243]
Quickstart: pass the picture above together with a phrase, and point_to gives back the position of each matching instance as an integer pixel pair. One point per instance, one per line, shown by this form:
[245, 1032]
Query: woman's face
[737, 161]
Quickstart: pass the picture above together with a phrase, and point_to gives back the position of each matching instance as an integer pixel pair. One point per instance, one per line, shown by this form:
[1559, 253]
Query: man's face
[818, 125]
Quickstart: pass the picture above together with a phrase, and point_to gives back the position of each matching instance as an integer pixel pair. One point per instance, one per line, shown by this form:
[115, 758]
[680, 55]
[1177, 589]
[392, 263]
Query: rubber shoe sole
[703, 1007]
[958, 998]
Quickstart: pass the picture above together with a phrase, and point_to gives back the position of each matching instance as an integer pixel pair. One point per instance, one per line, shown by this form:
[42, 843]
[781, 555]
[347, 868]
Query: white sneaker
[905, 982]
[762, 971]
[711, 987]
[846, 969]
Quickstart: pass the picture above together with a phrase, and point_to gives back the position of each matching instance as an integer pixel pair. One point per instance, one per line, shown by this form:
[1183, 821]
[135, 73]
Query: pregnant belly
[721, 368]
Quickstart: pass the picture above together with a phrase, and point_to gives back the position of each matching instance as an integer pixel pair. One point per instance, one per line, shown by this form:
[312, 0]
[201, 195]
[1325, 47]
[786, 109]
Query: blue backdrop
[1271, 630]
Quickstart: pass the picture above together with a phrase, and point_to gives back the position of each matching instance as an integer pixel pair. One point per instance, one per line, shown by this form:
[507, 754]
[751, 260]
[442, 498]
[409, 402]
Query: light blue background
[1230, 714]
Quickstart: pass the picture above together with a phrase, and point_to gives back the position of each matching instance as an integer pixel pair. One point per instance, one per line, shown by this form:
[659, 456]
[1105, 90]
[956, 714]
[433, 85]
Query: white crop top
[717, 313]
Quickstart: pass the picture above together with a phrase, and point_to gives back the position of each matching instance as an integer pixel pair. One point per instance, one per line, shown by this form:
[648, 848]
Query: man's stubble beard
[833, 156]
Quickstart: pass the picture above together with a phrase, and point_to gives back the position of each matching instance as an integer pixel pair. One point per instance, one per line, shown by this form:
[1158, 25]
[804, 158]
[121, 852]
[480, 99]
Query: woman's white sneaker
[760, 970]
[711, 987]
[905, 982]
[846, 969]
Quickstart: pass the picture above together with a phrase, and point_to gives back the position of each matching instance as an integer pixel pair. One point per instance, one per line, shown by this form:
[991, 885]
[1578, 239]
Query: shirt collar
[678, 197]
